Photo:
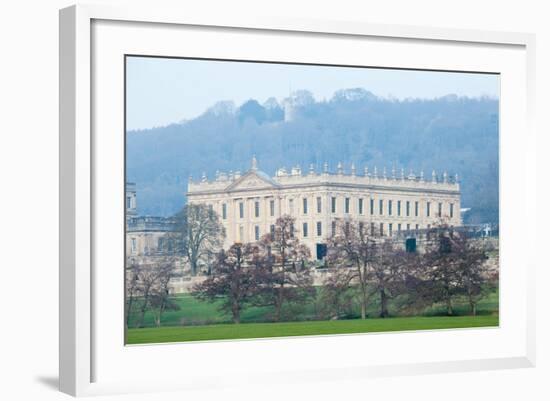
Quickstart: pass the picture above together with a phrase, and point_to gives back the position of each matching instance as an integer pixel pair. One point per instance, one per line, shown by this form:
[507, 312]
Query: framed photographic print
[240, 194]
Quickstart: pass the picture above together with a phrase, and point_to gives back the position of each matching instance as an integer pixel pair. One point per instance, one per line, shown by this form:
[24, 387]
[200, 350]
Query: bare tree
[234, 279]
[475, 279]
[198, 234]
[452, 265]
[337, 294]
[285, 276]
[389, 272]
[132, 286]
[160, 299]
[353, 248]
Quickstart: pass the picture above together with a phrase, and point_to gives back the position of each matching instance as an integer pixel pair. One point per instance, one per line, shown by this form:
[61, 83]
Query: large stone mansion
[388, 204]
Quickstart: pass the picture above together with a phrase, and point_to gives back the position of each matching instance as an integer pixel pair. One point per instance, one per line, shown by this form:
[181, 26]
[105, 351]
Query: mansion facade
[387, 204]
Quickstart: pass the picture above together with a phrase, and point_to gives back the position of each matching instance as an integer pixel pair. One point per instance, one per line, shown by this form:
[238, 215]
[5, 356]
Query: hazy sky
[161, 91]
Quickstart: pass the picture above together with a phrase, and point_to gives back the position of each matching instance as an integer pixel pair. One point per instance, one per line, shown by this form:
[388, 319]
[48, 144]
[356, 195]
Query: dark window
[428, 209]
[372, 206]
[399, 208]
[241, 210]
[381, 206]
[319, 204]
[333, 228]
[272, 231]
[416, 209]
[439, 209]
[304, 226]
[451, 209]
[256, 209]
[445, 245]
[408, 208]
[304, 201]
[319, 229]
[410, 245]
[333, 204]
[390, 229]
[291, 230]
[346, 205]
[224, 211]
[321, 251]
[381, 229]
[399, 228]
[408, 227]
[390, 207]
[360, 204]
[256, 233]
[272, 208]
[372, 229]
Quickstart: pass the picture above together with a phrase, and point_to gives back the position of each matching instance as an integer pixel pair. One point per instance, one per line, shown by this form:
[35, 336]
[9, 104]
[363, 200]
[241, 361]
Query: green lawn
[262, 330]
[193, 312]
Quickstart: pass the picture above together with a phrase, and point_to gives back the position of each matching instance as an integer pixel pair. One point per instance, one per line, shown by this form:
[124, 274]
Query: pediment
[252, 180]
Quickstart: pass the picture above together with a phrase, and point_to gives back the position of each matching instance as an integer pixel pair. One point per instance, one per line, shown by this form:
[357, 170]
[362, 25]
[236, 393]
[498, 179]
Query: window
[346, 228]
[319, 229]
[372, 229]
[305, 205]
[272, 208]
[291, 230]
[241, 233]
[390, 207]
[399, 208]
[128, 202]
[319, 204]
[381, 206]
[160, 244]
[399, 228]
[390, 229]
[241, 210]
[333, 228]
[451, 209]
[304, 229]
[272, 231]
[224, 211]
[372, 206]
[410, 245]
[256, 209]
[321, 251]
[416, 209]
[257, 233]
[408, 227]
[381, 229]
[133, 245]
[439, 209]
[360, 205]
[408, 208]
[361, 227]
[428, 209]
[333, 204]
[416, 227]
[291, 206]
[346, 205]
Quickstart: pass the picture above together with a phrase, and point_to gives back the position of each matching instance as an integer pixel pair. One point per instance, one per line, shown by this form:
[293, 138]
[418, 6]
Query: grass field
[264, 330]
[193, 312]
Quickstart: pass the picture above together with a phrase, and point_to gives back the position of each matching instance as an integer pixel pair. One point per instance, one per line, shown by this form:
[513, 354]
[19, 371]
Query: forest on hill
[459, 135]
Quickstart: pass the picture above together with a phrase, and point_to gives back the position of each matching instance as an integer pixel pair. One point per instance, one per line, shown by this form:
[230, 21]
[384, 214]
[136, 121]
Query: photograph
[272, 199]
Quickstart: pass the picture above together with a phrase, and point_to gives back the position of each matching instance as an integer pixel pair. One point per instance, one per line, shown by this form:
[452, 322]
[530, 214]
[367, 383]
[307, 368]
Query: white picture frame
[82, 343]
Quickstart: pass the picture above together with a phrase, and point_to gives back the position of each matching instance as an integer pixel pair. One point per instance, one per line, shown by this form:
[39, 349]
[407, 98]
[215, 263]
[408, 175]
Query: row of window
[408, 206]
[381, 229]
